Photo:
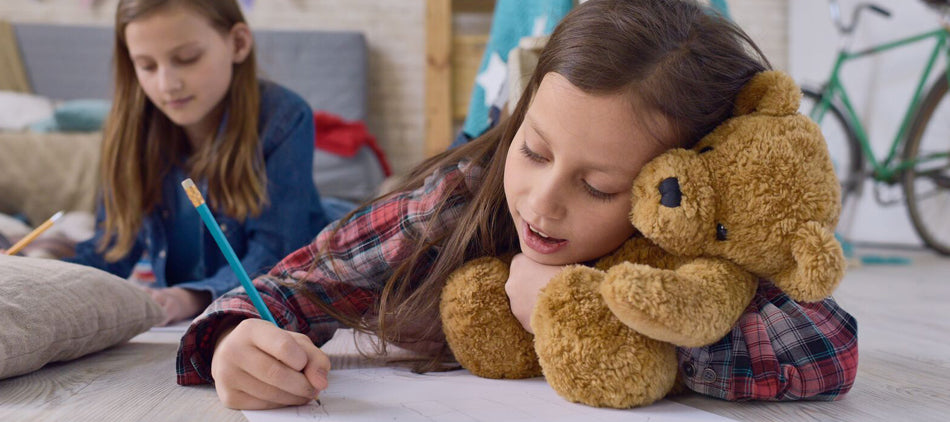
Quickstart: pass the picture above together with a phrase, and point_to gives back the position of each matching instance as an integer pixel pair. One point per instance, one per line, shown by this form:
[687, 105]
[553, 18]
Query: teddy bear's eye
[721, 232]
[705, 150]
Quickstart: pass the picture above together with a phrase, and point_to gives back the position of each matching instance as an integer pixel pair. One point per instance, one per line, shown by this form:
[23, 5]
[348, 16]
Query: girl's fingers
[249, 384]
[239, 400]
[273, 373]
[318, 363]
[278, 343]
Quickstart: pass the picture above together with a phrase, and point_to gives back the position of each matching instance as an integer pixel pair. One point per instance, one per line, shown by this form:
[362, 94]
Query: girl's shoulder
[284, 116]
[277, 99]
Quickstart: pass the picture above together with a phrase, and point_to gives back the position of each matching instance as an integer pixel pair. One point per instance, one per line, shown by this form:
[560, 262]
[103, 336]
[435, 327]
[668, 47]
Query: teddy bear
[755, 199]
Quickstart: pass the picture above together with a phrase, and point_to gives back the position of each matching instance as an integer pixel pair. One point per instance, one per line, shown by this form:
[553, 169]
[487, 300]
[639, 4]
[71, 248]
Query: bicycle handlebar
[835, 11]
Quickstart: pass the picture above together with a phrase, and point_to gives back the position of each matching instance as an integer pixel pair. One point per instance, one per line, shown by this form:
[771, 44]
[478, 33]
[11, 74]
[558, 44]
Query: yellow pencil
[33, 234]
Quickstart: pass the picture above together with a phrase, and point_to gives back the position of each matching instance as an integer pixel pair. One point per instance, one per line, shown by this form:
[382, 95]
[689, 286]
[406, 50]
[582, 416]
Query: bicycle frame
[886, 170]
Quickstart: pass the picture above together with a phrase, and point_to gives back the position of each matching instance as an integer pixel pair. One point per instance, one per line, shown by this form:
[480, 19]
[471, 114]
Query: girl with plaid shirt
[618, 83]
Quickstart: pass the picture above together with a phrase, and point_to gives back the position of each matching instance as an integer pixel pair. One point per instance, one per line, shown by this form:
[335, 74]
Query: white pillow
[19, 110]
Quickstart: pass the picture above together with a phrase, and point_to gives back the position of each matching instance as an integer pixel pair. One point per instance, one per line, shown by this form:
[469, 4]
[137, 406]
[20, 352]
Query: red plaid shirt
[779, 349]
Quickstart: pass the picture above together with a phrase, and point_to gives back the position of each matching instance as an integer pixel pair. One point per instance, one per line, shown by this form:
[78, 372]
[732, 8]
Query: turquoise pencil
[199, 202]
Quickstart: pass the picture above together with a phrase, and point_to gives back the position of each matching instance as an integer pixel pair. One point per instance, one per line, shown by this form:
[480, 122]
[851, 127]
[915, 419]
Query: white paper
[396, 394]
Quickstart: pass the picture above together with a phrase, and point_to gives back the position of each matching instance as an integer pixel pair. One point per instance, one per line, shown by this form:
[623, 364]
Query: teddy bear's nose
[670, 194]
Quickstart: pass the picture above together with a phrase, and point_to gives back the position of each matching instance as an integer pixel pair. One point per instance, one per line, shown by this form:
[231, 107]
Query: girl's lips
[179, 103]
[540, 244]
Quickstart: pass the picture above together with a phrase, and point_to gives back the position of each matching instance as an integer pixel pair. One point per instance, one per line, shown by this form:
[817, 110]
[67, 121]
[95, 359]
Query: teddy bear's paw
[590, 357]
[639, 250]
[693, 305]
[484, 336]
[819, 264]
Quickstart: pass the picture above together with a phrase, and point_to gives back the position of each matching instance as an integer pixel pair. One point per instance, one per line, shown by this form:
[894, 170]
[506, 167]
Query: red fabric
[340, 137]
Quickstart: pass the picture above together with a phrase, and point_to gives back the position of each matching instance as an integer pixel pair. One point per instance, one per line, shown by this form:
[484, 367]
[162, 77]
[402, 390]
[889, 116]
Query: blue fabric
[337, 208]
[185, 230]
[294, 214]
[720, 6]
[512, 20]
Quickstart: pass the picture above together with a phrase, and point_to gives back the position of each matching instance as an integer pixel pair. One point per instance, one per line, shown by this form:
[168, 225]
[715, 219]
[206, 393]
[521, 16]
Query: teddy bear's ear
[770, 92]
[819, 264]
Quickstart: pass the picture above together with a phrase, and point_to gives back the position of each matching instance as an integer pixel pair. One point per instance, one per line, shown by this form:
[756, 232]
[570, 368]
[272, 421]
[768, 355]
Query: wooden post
[438, 97]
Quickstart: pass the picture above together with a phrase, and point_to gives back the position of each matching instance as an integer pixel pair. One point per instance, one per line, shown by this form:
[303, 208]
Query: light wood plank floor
[903, 324]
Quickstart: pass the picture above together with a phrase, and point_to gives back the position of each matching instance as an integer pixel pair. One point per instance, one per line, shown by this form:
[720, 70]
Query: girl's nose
[170, 80]
[547, 199]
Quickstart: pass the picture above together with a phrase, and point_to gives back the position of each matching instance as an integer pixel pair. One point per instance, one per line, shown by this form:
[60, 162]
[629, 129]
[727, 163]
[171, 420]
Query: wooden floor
[903, 314]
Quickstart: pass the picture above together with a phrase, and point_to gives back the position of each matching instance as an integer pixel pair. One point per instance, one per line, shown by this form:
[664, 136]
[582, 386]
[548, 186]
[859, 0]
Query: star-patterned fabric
[512, 20]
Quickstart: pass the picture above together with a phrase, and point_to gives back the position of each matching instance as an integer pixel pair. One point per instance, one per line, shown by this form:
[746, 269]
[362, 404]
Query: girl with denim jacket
[188, 103]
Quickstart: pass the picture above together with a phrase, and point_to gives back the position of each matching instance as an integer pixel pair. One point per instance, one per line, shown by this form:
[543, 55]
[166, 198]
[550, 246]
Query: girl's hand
[525, 280]
[179, 303]
[259, 366]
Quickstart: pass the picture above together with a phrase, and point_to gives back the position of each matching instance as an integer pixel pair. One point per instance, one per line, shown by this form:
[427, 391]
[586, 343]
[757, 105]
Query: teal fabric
[81, 115]
[45, 125]
[722, 7]
[511, 21]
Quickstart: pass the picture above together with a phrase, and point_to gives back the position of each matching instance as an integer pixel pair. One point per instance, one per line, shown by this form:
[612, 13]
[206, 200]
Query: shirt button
[709, 375]
[224, 227]
[161, 254]
[689, 370]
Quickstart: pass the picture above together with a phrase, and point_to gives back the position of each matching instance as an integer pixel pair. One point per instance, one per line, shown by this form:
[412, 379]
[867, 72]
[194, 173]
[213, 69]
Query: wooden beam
[438, 96]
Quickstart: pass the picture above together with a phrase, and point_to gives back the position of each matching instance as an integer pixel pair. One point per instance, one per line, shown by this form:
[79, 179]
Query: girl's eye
[596, 194]
[189, 59]
[531, 155]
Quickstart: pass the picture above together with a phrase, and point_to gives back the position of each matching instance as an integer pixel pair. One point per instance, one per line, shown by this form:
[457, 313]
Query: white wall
[395, 33]
[880, 88]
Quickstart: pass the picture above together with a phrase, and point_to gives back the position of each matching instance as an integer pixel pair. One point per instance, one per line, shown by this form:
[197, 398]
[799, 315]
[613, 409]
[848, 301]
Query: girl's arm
[86, 253]
[779, 350]
[352, 264]
[293, 214]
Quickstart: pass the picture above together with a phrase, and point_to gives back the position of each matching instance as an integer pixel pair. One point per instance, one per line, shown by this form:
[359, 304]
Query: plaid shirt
[779, 350]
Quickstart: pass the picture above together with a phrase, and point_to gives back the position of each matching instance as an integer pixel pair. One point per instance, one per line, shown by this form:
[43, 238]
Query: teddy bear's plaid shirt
[779, 350]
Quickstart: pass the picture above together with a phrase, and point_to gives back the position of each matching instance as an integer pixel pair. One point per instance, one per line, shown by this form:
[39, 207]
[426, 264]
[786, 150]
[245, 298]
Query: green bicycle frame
[883, 171]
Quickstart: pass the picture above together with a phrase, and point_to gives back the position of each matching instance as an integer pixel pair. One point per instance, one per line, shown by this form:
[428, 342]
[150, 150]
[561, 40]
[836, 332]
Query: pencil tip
[56, 216]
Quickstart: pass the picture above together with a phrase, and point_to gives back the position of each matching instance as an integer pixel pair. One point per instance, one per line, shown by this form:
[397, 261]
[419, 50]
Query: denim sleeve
[86, 253]
[285, 223]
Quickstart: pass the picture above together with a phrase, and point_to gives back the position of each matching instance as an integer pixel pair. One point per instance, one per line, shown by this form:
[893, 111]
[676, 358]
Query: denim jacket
[292, 217]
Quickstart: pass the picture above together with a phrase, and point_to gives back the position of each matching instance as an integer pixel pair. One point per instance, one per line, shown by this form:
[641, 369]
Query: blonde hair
[671, 56]
[141, 144]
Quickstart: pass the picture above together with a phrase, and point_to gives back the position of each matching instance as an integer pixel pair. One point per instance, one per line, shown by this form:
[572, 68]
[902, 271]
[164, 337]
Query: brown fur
[605, 336]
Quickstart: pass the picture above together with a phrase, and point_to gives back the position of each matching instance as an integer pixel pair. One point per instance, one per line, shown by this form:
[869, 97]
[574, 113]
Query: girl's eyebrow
[534, 126]
[601, 167]
[172, 51]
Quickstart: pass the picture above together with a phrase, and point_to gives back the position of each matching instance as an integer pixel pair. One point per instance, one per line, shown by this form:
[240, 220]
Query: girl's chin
[545, 259]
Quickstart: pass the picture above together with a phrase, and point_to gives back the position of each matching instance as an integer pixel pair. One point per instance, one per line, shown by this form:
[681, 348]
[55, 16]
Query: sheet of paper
[396, 394]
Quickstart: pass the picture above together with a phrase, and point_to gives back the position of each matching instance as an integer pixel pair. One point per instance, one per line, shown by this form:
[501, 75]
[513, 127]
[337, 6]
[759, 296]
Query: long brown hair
[672, 56]
[141, 144]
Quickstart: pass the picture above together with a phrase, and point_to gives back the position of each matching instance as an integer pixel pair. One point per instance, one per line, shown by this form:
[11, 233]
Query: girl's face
[184, 65]
[569, 172]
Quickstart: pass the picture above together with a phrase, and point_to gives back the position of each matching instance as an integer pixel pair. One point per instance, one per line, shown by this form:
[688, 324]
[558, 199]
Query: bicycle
[919, 156]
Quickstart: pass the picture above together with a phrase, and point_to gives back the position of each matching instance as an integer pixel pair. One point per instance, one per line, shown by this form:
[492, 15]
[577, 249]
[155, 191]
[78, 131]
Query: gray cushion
[54, 311]
[327, 68]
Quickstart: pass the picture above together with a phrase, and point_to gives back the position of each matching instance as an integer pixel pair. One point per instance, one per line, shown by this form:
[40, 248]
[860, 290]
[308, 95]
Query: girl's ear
[243, 41]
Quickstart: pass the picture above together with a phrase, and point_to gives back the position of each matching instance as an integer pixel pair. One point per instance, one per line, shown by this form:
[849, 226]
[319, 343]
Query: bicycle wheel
[843, 144]
[927, 183]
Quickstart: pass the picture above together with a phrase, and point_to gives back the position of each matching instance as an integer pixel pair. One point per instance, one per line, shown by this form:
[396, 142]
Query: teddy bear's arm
[483, 334]
[588, 355]
[692, 305]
